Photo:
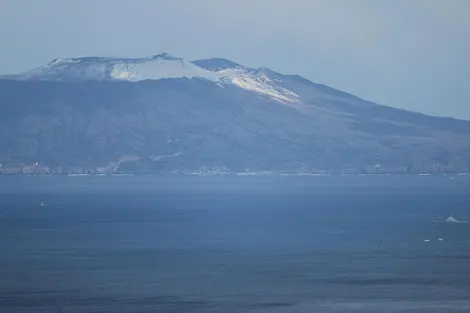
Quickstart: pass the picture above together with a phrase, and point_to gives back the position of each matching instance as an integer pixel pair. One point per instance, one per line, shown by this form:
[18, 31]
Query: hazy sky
[413, 54]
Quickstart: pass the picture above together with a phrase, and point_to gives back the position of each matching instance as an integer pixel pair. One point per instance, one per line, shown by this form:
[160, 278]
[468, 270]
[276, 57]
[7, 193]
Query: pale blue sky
[413, 54]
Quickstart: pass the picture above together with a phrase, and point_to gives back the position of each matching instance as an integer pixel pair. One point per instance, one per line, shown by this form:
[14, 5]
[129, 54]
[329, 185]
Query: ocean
[234, 244]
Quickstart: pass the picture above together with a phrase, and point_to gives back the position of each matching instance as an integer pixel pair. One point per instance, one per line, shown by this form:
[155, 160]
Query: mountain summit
[165, 114]
[161, 66]
[104, 68]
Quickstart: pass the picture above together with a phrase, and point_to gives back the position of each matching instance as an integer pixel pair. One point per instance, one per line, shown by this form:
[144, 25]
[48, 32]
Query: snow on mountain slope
[158, 68]
[257, 81]
[221, 71]
[103, 68]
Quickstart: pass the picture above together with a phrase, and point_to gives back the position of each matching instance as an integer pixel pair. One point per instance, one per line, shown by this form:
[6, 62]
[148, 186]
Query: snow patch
[257, 81]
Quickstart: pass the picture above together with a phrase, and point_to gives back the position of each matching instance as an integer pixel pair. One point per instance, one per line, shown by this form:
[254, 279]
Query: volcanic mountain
[166, 114]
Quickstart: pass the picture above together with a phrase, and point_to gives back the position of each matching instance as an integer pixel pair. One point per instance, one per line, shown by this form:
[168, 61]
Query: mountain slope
[173, 115]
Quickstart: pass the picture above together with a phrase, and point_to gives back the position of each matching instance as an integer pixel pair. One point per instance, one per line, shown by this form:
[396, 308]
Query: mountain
[167, 114]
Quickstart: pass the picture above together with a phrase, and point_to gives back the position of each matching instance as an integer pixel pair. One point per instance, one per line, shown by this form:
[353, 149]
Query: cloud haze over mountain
[408, 54]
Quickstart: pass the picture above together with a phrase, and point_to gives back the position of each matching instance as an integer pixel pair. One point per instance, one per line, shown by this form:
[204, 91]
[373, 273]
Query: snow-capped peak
[131, 69]
[161, 66]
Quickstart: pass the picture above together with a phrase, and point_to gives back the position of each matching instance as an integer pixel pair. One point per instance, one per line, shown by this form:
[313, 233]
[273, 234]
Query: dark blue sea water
[199, 244]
